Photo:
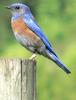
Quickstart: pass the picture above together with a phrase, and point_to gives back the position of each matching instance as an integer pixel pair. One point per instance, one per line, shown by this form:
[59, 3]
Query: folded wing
[33, 26]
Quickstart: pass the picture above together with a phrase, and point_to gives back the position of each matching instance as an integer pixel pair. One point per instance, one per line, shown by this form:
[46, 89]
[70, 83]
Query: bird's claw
[33, 57]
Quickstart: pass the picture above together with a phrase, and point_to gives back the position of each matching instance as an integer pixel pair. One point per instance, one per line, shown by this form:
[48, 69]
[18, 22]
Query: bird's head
[18, 9]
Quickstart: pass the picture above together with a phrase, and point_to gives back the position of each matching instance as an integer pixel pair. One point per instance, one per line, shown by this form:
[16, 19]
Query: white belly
[29, 44]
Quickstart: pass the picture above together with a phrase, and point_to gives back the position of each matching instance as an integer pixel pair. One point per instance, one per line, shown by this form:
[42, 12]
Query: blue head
[18, 9]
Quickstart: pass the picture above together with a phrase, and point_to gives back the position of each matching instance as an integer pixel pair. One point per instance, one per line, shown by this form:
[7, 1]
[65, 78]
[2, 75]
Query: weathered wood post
[17, 79]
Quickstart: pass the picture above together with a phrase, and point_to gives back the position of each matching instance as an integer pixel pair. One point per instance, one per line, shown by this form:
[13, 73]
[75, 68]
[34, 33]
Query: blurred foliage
[57, 18]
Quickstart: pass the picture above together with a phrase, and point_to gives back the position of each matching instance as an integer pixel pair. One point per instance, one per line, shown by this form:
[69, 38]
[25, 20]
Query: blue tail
[58, 62]
[61, 65]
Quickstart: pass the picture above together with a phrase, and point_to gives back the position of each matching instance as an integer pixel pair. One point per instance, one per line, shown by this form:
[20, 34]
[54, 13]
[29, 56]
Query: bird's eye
[17, 7]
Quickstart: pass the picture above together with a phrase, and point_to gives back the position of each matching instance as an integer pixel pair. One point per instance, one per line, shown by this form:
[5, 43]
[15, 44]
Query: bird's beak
[7, 7]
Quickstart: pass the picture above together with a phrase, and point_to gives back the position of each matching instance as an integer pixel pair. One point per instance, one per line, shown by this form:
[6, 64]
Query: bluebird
[29, 34]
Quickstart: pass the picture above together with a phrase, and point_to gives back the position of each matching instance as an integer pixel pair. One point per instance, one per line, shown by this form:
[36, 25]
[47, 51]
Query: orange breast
[20, 27]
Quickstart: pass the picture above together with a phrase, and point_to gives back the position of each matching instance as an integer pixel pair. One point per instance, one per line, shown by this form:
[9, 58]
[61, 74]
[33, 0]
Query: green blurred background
[57, 18]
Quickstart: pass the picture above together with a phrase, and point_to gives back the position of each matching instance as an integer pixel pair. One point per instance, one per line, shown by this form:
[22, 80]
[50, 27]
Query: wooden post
[17, 79]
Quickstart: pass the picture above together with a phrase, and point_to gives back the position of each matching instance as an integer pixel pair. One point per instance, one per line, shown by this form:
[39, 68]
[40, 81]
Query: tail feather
[58, 62]
[62, 66]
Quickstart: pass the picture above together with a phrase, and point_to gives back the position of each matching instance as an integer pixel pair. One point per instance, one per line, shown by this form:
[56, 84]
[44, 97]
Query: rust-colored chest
[20, 27]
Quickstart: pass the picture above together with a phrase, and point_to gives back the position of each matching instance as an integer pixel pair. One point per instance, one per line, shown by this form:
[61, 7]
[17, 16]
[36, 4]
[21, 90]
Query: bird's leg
[33, 56]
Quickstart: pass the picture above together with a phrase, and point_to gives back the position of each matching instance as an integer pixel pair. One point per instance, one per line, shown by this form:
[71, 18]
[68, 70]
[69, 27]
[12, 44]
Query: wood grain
[17, 79]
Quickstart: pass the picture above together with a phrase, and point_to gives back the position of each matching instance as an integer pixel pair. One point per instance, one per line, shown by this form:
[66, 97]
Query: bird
[29, 34]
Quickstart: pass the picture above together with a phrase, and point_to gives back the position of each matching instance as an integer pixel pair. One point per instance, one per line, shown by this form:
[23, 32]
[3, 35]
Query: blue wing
[33, 26]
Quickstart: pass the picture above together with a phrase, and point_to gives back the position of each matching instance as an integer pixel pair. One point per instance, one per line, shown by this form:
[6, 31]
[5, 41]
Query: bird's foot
[33, 57]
